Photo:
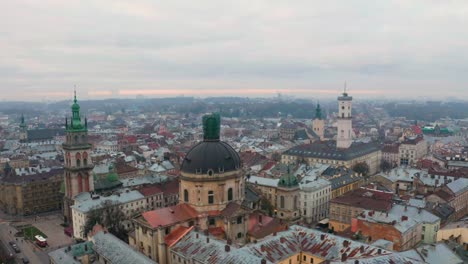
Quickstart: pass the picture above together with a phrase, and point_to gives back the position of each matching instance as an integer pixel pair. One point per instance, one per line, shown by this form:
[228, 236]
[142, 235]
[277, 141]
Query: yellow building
[31, 194]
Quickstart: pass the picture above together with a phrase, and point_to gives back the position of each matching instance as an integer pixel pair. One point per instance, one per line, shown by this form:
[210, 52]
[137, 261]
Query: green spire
[318, 112]
[75, 122]
[22, 124]
[211, 127]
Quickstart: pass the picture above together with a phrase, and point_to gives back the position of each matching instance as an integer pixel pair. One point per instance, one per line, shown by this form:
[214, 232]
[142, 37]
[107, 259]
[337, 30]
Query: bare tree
[110, 216]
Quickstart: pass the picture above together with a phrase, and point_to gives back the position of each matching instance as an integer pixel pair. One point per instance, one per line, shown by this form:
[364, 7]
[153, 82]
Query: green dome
[112, 177]
[288, 180]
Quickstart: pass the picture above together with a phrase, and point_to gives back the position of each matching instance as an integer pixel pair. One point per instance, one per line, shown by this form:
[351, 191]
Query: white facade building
[129, 202]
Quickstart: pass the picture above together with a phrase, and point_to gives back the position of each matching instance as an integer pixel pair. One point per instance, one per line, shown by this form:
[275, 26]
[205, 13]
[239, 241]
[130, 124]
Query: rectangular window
[210, 197]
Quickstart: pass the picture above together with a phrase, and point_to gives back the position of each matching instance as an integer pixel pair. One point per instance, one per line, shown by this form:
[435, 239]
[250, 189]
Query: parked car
[25, 260]
[17, 249]
[14, 246]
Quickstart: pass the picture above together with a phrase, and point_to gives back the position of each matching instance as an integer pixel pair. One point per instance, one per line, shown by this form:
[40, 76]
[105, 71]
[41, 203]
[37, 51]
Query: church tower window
[186, 197]
[210, 197]
[230, 194]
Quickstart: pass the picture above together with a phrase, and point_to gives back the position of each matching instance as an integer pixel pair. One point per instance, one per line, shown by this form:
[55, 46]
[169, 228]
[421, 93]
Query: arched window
[239, 235]
[230, 194]
[210, 197]
[281, 201]
[85, 162]
[76, 139]
[83, 139]
[186, 196]
[78, 159]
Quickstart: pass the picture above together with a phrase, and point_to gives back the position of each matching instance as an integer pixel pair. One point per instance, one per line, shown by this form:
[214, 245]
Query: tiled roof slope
[278, 248]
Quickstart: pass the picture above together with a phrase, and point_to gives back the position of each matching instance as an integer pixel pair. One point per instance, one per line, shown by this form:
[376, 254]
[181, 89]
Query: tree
[361, 168]
[109, 215]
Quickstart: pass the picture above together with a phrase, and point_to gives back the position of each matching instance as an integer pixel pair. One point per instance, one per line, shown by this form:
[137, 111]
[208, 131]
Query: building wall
[392, 158]
[129, 209]
[314, 204]
[198, 188]
[459, 234]
[341, 216]
[460, 204]
[429, 232]
[401, 241]
[290, 210]
[372, 159]
[413, 152]
[346, 188]
[30, 198]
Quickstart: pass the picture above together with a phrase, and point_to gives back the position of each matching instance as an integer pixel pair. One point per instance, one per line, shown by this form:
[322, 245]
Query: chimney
[379, 251]
[196, 235]
[419, 210]
[345, 243]
[356, 261]
[274, 234]
[207, 240]
[260, 219]
[227, 248]
[404, 218]
[361, 249]
[263, 261]
[322, 236]
[344, 256]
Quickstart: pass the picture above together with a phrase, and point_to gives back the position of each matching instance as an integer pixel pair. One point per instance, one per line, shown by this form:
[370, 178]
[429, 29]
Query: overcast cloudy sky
[202, 48]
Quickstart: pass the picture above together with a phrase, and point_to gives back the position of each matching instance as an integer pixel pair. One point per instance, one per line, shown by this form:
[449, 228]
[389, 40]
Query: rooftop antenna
[345, 87]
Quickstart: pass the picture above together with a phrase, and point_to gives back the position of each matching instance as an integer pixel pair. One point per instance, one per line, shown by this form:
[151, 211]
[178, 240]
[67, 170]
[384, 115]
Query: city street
[49, 224]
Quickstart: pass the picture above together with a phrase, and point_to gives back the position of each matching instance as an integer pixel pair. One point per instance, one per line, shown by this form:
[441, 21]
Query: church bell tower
[318, 124]
[77, 159]
[23, 133]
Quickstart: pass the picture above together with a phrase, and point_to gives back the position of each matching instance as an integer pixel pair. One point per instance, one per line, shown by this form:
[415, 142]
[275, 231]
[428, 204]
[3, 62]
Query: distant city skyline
[118, 49]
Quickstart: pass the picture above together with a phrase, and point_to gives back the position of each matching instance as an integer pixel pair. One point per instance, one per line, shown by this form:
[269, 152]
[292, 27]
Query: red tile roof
[417, 130]
[366, 199]
[176, 235]
[150, 190]
[170, 215]
[168, 188]
[216, 231]
[391, 148]
[268, 225]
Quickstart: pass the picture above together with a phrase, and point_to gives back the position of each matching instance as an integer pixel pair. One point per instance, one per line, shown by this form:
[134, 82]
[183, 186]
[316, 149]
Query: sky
[307, 49]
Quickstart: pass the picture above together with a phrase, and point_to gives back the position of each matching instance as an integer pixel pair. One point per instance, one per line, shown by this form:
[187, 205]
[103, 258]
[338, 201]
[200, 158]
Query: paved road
[27, 248]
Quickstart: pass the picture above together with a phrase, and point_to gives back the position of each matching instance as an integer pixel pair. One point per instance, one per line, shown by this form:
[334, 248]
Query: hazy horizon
[307, 49]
